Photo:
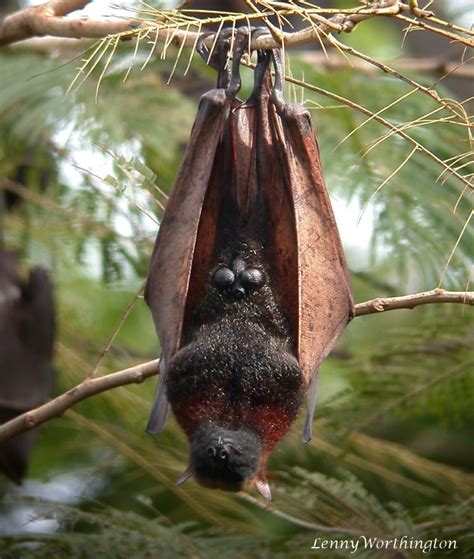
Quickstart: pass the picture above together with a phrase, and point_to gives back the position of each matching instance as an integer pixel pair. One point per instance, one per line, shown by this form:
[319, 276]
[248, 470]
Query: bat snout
[225, 459]
[220, 451]
[238, 292]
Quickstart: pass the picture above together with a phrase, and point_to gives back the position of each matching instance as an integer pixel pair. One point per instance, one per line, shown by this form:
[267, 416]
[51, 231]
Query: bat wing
[187, 216]
[279, 215]
[317, 297]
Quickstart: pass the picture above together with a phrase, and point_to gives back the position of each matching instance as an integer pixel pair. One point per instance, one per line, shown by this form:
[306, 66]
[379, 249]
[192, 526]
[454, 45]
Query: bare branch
[411, 301]
[47, 19]
[138, 373]
[85, 389]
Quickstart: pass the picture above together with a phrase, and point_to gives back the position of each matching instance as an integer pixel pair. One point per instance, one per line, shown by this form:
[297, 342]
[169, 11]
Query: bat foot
[239, 40]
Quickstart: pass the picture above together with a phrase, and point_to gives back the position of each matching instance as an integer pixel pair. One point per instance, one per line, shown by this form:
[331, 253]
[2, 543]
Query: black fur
[240, 347]
[236, 359]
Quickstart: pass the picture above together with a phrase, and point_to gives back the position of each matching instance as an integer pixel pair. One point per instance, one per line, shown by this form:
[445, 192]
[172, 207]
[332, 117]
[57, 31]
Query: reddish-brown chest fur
[271, 423]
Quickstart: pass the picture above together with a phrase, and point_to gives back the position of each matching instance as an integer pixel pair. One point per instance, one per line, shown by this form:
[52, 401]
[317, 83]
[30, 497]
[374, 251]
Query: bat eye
[252, 278]
[223, 278]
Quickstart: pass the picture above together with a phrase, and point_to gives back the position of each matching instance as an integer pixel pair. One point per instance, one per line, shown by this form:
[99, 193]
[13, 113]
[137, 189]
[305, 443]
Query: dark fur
[236, 370]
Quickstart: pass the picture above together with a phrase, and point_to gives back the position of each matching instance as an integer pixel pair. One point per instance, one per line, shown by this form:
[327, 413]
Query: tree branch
[87, 388]
[47, 19]
[138, 373]
[411, 301]
[326, 61]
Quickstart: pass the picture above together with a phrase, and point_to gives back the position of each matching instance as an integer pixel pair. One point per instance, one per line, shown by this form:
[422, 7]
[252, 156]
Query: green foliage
[390, 454]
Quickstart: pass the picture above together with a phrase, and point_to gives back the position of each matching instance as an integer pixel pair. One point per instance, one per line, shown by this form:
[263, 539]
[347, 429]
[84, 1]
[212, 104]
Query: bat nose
[238, 292]
[220, 451]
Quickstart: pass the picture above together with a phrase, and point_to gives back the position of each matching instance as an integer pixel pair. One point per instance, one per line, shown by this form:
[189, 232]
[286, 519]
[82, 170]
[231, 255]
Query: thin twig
[392, 127]
[397, 402]
[432, 65]
[116, 330]
[411, 301]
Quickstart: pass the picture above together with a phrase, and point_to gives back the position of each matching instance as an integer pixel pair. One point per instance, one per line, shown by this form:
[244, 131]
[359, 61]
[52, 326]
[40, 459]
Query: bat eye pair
[239, 283]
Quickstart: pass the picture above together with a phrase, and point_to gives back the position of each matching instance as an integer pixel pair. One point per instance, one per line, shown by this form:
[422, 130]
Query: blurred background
[84, 177]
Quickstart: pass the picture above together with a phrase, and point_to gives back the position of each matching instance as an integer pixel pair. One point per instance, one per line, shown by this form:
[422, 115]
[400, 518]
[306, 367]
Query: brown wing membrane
[325, 304]
[324, 301]
[279, 214]
[183, 250]
[167, 286]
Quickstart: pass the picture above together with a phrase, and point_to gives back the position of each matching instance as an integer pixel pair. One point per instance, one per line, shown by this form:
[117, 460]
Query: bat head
[225, 459]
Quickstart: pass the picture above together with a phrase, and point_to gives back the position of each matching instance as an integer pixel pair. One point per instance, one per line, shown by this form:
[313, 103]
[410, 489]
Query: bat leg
[277, 93]
[312, 398]
[159, 412]
[263, 60]
[217, 59]
[241, 42]
[297, 117]
[229, 77]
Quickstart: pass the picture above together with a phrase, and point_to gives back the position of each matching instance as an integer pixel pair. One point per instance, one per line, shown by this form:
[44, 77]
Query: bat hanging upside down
[247, 284]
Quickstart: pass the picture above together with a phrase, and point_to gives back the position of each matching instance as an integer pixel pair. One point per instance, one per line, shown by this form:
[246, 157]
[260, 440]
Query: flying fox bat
[247, 285]
[27, 328]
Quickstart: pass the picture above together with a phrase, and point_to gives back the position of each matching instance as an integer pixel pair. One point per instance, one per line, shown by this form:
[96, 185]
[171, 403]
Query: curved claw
[229, 79]
[218, 58]
[203, 51]
[243, 39]
[240, 45]
[277, 95]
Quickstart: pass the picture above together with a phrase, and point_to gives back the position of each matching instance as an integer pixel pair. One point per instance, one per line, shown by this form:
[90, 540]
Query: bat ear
[184, 476]
[312, 397]
[261, 485]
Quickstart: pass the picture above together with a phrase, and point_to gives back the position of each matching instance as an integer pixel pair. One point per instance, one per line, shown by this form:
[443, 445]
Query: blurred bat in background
[247, 284]
[27, 330]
